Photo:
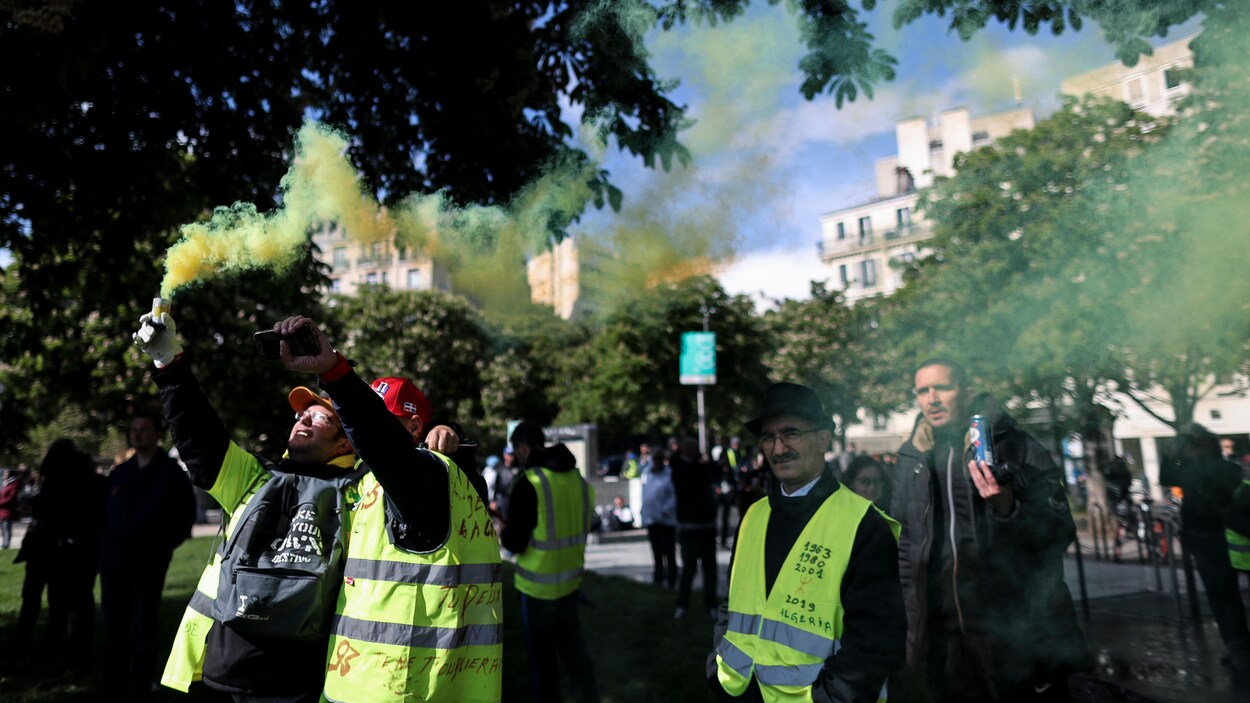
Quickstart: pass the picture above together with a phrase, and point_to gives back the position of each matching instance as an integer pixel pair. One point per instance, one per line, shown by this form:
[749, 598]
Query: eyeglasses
[788, 437]
[317, 417]
[939, 387]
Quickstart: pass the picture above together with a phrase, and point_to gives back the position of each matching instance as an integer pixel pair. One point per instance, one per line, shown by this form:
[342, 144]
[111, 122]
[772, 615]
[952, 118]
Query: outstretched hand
[325, 358]
[158, 339]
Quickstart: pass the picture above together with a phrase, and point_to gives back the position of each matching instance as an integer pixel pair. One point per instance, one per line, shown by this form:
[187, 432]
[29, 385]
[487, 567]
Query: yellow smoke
[320, 187]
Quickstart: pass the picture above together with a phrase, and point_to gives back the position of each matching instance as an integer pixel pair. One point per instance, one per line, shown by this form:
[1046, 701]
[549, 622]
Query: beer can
[982, 444]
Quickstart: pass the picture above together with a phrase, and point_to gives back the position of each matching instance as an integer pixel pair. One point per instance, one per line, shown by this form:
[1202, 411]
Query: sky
[784, 161]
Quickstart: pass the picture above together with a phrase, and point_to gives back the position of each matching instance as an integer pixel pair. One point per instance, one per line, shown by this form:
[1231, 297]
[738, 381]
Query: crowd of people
[365, 564]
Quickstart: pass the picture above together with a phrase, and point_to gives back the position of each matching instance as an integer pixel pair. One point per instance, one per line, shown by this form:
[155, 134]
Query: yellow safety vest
[1239, 544]
[784, 636]
[419, 627]
[551, 566]
[240, 476]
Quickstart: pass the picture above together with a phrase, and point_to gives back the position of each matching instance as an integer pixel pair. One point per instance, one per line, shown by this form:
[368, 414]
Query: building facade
[864, 245]
[353, 264]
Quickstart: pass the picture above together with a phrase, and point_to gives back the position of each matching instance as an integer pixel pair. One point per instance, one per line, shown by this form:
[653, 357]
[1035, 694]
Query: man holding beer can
[985, 524]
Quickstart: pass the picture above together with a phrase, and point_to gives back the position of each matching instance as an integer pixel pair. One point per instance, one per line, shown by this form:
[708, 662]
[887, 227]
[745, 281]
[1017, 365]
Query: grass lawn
[640, 652]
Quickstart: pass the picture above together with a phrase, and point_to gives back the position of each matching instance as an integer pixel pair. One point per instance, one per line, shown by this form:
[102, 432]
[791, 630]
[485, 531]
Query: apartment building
[862, 244]
[353, 264]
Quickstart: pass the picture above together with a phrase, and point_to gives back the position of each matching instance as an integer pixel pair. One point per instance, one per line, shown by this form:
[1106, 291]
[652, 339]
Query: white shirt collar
[802, 491]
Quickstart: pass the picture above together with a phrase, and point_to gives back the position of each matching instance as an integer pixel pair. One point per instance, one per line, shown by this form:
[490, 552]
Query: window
[1216, 414]
[403, 252]
[375, 251]
[371, 278]
[879, 423]
[905, 258]
[1134, 90]
[414, 278]
[981, 136]
[868, 273]
[336, 285]
[865, 230]
[340, 257]
[1171, 78]
[903, 219]
[841, 231]
[384, 281]
[842, 274]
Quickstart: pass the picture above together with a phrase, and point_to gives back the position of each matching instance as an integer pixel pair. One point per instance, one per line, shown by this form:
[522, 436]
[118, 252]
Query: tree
[84, 359]
[833, 348]
[1022, 280]
[1186, 215]
[124, 121]
[625, 379]
[434, 338]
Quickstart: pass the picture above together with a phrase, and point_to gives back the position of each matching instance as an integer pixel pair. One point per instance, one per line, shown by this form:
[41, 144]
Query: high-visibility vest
[631, 469]
[240, 476]
[784, 637]
[412, 626]
[1239, 544]
[551, 566]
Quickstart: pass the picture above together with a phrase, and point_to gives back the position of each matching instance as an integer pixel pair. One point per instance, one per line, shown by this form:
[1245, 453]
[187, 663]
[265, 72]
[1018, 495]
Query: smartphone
[302, 343]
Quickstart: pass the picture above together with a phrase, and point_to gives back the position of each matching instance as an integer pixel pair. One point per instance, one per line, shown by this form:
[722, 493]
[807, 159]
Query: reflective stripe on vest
[412, 626]
[404, 635]
[552, 565]
[784, 637]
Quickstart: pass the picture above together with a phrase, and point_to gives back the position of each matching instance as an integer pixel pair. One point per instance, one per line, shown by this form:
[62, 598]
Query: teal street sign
[698, 358]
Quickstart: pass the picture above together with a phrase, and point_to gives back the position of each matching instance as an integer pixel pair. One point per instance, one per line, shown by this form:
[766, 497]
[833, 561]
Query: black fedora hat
[791, 399]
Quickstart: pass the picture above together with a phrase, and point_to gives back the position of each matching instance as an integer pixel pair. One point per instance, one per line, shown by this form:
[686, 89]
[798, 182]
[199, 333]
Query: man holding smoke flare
[415, 611]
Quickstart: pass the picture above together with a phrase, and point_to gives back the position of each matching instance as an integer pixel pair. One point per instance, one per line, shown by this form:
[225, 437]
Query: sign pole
[698, 368]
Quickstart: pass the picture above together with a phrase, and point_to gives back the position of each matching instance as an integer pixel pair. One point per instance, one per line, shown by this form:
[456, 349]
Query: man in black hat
[814, 595]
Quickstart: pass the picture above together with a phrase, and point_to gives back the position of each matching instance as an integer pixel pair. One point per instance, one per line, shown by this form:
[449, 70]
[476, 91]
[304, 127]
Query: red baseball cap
[403, 398]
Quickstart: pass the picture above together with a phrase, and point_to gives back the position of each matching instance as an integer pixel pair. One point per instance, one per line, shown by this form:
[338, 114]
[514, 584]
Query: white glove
[160, 343]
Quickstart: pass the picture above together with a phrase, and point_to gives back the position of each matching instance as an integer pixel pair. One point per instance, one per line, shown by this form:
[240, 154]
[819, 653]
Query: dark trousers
[663, 540]
[33, 583]
[726, 514]
[553, 629]
[1210, 553]
[131, 598]
[698, 545]
[71, 608]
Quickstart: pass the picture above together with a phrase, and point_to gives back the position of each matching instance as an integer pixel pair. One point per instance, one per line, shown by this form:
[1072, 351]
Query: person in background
[1210, 483]
[867, 477]
[149, 512]
[10, 488]
[546, 528]
[659, 516]
[730, 458]
[622, 516]
[61, 549]
[694, 481]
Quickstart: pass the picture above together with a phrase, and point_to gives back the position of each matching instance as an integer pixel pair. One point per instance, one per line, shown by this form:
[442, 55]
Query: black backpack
[283, 565]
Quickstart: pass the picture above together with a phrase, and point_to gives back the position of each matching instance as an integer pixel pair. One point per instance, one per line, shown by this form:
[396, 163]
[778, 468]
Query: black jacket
[1018, 617]
[149, 512]
[874, 621]
[694, 483]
